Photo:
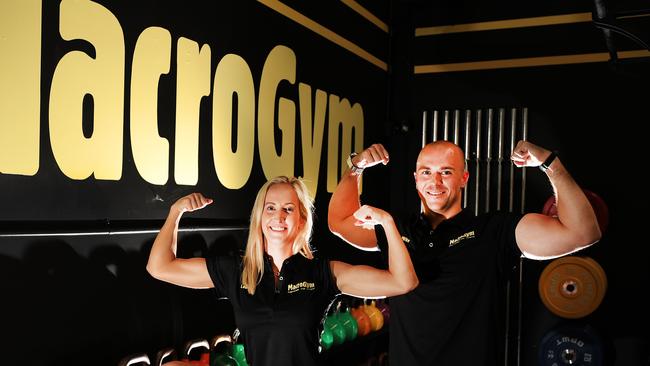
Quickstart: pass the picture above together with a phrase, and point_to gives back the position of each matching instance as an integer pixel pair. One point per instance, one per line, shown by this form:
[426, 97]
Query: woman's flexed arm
[163, 263]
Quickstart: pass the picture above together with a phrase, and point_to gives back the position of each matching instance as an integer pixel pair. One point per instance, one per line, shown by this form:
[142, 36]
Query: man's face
[439, 178]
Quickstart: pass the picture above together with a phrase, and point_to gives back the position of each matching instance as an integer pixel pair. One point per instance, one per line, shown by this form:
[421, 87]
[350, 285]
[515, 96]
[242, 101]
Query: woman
[279, 290]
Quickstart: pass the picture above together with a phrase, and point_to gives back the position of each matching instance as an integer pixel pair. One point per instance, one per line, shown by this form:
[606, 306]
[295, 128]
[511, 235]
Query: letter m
[345, 124]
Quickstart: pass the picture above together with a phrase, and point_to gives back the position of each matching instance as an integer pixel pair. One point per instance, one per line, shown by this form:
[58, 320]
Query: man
[453, 317]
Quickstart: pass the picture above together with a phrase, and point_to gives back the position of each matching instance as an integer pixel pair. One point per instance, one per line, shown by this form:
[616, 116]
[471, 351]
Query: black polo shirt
[278, 327]
[456, 314]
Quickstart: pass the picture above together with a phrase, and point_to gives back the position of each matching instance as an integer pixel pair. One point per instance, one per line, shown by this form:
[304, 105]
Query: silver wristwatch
[354, 170]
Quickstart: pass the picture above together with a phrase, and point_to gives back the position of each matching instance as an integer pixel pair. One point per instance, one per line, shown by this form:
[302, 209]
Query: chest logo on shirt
[467, 235]
[300, 286]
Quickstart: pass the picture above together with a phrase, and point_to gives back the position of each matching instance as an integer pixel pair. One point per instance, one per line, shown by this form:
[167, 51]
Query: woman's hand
[368, 216]
[191, 202]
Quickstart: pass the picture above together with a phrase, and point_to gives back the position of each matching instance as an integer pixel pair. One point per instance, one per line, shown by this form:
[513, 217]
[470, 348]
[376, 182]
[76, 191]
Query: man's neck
[435, 218]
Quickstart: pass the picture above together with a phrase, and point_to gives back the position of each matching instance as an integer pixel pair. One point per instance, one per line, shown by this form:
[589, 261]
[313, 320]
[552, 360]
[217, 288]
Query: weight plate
[571, 345]
[572, 287]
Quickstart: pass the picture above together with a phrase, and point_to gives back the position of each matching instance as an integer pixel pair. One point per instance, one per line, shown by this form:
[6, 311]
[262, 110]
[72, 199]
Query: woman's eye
[288, 210]
[270, 208]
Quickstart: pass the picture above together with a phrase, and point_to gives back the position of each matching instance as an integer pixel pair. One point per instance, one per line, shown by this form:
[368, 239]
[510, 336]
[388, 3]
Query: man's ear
[465, 179]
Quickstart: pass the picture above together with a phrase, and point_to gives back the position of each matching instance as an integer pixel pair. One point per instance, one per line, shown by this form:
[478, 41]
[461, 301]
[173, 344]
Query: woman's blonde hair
[253, 267]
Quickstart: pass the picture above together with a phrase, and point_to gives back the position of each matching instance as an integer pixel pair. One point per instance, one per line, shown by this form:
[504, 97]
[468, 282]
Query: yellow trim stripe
[366, 14]
[526, 62]
[504, 24]
[324, 32]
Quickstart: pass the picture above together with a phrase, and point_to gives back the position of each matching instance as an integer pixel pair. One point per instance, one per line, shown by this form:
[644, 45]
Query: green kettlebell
[326, 338]
[338, 332]
[349, 323]
[221, 355]
[239, 354]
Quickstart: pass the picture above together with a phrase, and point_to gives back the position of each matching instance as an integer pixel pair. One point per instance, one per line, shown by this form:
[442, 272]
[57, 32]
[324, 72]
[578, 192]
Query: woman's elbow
[408, 285]
[413, 284]
[155, 271]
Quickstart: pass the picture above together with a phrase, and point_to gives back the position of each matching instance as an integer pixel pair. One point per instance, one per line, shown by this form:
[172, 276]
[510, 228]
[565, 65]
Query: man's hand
[528, 154]
[371, 156]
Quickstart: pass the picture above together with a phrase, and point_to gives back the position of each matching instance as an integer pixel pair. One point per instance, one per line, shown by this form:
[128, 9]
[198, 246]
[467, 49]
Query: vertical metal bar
[456, 127]
[468, 120]
[513, 131]
[488, 162]
[424, 128]
[434, 133]
[478, 161]
[500, 157]
[446, 122]
[519, 308]
[524, 136]
[507, 333]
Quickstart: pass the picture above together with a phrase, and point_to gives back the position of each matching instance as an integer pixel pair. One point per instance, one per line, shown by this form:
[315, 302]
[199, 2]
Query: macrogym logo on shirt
[300, 286]
[467, 235]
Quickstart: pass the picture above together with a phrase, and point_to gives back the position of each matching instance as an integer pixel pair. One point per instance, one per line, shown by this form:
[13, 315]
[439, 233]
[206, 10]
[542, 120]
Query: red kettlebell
[363, 321]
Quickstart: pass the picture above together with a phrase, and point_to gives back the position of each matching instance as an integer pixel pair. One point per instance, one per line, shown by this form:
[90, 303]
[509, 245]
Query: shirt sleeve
[507, 240]
[327, 279]
[224, 272]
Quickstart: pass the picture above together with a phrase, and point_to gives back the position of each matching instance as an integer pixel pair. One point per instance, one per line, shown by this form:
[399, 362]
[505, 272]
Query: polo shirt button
[431, 232]
[430, 245]
[281, 278]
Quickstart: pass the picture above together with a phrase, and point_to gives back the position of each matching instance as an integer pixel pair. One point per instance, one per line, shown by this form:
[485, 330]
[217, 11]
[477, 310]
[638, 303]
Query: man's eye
[425, 172]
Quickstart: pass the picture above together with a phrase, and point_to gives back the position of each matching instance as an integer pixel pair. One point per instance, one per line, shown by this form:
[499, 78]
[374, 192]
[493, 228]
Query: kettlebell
[363, 321]
[221, 355]
[338, 331]
[326, 338]
[349, 323]
[376, 317]
[239, 354]
[382, 305]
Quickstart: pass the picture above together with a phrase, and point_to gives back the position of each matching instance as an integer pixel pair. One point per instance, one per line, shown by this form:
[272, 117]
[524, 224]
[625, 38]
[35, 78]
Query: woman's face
[281, 215]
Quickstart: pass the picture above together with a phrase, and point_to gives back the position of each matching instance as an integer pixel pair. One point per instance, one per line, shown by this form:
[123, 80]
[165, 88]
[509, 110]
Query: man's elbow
[592, 236]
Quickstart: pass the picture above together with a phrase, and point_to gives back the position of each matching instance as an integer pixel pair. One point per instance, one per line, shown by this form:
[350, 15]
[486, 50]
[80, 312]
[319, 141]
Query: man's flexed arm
[576, 227]
[345, 200]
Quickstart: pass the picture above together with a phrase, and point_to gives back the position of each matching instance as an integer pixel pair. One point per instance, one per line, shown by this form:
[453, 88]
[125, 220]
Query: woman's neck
[279, 252]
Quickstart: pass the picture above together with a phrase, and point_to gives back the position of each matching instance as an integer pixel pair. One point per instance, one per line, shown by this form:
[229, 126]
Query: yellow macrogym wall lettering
[97, 73]
[349, 118]
[192, 83]
[280, 65]
[151, 58]
[20, 92]
[311, 133]
[78, 74]
[233, 77]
